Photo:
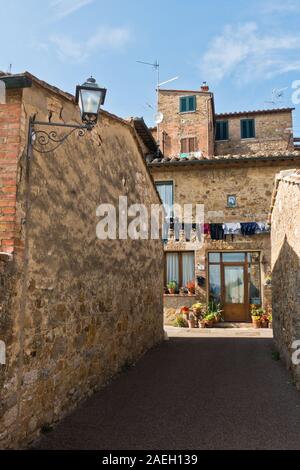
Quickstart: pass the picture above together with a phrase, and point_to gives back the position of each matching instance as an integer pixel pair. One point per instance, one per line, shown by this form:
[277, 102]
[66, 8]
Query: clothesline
[217, 231]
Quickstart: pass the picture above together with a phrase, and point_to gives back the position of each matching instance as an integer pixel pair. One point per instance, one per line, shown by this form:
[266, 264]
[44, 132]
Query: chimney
[204, 87]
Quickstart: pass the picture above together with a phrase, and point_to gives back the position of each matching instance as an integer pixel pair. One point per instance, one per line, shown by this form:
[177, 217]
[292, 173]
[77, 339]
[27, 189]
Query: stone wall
[253, 186]
[272, 133]
[75, 309]
[177, 126]
[286, 266]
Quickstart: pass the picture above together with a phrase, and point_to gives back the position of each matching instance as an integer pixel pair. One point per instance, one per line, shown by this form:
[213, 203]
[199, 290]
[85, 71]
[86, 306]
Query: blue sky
[244, 50]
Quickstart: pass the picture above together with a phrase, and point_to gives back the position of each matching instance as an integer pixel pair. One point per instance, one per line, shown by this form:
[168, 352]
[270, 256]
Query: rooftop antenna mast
[159, 116]
[155, 67]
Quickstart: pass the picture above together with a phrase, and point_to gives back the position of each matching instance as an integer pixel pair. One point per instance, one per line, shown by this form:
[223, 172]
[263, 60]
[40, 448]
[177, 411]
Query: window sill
[249, 138]
[180, 295]
[222, 140]
[187, 112]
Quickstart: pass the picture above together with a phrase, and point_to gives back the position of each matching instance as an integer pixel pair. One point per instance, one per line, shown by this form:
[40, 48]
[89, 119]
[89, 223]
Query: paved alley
[221, 390]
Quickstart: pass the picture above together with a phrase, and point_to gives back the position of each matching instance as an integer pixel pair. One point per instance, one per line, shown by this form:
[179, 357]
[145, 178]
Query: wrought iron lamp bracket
[43, 141]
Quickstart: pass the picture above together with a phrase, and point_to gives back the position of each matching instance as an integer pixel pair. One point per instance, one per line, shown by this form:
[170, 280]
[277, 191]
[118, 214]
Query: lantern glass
[90, 101]
[90, 97]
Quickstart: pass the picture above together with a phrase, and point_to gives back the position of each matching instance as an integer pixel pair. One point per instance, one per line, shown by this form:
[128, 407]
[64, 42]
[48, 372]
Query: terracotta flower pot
[209, 323]
[256, 323]
[191, 292]
[192, 323]
[264, 324]
[202, 324]
[171, 291]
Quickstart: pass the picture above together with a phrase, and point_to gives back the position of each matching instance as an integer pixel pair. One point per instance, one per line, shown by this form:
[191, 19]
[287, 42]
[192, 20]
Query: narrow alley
[218, 390]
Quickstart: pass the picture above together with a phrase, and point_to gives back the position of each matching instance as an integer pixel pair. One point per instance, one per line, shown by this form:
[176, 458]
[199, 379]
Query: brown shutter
[184, 146]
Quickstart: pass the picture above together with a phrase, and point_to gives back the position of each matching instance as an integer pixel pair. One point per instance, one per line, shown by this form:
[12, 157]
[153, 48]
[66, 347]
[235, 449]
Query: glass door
[234, 292]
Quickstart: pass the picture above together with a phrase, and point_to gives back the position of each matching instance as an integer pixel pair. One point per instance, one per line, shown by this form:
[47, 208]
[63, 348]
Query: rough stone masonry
[74, 309]
[286, 266]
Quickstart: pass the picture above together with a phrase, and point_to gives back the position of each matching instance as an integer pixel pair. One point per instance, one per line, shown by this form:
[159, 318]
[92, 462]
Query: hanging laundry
[232, 228]
[248, 228]
[206, 229]
[216, 231]
[262, 227]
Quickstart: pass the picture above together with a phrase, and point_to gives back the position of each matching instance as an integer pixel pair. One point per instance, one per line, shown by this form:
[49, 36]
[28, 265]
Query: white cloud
[104, 39]
[63, 8]
[244, 53]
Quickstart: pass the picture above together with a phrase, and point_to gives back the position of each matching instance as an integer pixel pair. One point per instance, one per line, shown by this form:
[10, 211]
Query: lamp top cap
[91, 82]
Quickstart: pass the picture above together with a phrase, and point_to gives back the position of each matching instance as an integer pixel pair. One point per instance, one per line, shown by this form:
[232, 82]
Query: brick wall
[271, 134]
[10, 115]
[286, 267]
[177, 126]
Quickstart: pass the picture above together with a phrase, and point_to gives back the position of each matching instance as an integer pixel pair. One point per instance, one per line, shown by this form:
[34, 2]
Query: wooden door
[235, 292]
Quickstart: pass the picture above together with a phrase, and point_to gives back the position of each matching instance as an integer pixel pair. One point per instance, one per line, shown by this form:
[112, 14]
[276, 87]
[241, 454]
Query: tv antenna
[158, 116]
[277, 94]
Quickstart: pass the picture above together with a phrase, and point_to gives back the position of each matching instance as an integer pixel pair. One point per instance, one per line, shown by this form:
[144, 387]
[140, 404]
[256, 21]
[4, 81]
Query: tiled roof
[258, 111]
[193, 159]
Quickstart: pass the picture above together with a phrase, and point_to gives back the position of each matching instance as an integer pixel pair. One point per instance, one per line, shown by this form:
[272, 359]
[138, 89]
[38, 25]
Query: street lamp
[89, 97]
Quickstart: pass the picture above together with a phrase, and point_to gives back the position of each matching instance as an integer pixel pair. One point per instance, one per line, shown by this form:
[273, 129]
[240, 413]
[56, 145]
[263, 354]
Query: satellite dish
[159, 117]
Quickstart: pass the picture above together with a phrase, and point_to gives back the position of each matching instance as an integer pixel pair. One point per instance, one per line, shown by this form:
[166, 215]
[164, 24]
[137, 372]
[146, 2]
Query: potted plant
[202, 323]
[197, 310]
[185, 312]
[210, 320]
[172, 287]
[191, 287]
[256, 315]
[264, 321]
[180, 322]
[192, 321]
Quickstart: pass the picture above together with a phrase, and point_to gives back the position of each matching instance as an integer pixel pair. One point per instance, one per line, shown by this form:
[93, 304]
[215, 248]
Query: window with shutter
[222, 130]
[247, 128]
[188, 145]
[187, 104]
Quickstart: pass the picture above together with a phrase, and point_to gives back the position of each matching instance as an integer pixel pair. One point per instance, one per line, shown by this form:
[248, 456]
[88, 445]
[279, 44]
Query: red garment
[206, 229]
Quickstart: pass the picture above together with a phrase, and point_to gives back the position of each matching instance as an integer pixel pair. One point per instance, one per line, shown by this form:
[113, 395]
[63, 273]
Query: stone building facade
[190, 128]
[226, 162]
[285, 219]
[74, 309]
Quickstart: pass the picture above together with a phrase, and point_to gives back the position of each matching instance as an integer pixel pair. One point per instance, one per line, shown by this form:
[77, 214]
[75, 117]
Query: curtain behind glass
[166, 194]
[173, 267]
[188, 268]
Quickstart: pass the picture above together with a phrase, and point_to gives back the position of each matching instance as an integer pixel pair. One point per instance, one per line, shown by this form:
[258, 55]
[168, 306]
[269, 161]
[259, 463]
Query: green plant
[256, 311]
[180, 322]
[172, 285]
[209, 317]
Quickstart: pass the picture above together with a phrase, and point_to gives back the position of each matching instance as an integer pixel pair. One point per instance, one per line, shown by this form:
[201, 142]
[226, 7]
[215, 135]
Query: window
[187, 104]
[222, 130]
[180, 267]
[165, 190]
[189, 144]
[231, 201]
[247, 128]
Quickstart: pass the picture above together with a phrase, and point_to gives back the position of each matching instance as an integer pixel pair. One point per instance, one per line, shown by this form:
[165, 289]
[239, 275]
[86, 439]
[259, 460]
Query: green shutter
[192, 103]
[251, 128]
[247, 128]
[222, 130]
[183, 104]
[244, 129]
